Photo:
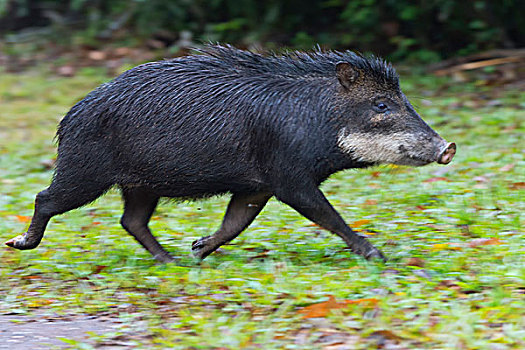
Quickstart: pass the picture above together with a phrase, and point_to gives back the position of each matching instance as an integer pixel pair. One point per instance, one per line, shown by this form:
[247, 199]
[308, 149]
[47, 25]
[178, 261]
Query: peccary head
[378, 124]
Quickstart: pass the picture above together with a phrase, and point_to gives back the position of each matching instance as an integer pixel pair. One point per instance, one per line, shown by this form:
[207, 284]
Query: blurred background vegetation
[421, 30]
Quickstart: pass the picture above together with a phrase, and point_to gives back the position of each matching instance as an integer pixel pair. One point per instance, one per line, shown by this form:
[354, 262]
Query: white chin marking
[382, 149]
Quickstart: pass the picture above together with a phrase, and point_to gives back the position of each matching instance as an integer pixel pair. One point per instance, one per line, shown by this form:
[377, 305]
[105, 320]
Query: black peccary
[231, 121]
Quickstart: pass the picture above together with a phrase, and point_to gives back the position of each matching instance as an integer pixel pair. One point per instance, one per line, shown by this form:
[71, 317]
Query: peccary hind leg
[312, 204]
[242, 209]
[61, 196]
[139, 205]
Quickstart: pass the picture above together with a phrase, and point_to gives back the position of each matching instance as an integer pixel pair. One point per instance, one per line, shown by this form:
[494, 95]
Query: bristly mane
[294, 64]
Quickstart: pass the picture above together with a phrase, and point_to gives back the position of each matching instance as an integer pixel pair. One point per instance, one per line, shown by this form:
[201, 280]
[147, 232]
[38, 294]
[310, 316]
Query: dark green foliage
[423, 30]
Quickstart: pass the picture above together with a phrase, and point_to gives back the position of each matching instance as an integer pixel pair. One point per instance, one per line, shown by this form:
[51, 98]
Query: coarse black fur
[226, 110]
[231, 121]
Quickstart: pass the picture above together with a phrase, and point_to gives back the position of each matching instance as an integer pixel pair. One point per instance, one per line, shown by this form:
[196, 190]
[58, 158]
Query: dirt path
[44, 332]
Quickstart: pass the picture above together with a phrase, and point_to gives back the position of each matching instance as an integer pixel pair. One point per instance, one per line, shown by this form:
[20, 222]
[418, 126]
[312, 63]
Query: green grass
[249, 294]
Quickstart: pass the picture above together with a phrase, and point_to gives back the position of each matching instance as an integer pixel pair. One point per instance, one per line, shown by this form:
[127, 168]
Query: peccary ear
[346, 74]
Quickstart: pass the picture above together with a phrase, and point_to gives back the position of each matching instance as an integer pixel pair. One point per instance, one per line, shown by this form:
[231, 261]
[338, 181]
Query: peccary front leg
[139, 205]
[310, 202]
[242, 209]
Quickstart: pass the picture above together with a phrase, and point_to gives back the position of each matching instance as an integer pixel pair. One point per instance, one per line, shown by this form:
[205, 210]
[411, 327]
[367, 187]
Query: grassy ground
[455, 279]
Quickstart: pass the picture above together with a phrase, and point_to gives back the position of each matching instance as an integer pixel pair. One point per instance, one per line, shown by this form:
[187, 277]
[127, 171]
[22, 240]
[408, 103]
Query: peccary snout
[447, 154]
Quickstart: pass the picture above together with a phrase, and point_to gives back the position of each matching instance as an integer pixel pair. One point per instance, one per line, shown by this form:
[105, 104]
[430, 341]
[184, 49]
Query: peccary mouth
[443, 156]
[416, 160]
[413, 159]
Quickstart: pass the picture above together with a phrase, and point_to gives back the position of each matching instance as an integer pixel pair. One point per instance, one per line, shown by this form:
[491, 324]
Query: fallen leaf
[99, 268]
[23, 218]
[321, 309]
[517, 186]
[484, 241]
[448, 284]
[369, 232]
[40, 302]
[415, 261]
[31, 277]
[360, 223]
[262, 255]
[385, 339]
[444, 246]
[434, 179]
[370, 301]
[324, 308]
[383, 335]
[370, 202]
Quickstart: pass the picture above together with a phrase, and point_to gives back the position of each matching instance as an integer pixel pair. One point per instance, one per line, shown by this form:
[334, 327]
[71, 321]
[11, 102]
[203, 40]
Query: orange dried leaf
[369, 301]
[517, 186]
[23, 218]
[369, 232]
[370, 202]
[324, 308]
[321, 309]
[484, 241]
[31, 277]
[360, 223]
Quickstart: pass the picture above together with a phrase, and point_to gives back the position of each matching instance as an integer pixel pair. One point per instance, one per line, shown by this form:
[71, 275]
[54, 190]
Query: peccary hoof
[375, 254]
[165, 259]
[200, 247]
[363, 247]
[22, 243]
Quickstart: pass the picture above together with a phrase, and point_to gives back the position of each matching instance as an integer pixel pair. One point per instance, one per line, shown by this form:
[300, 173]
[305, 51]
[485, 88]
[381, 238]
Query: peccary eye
[381, 107]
